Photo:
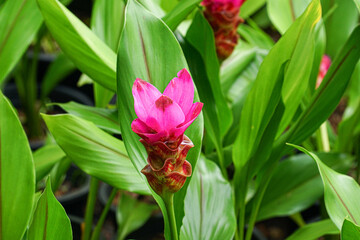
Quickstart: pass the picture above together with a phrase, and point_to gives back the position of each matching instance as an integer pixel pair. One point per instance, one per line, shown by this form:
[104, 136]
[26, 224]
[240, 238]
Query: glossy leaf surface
[17, 175]
[295, 45]
[50, 221]
[19, 22]
[45, 158]
[95, 152]
[141, 55]
[179, 13]
[284, 12]
[350, 231]
[328, 95]
[341, 193]
[92, 56]
[208, 217]
[106, 119]
[287, 194]
[315, 230]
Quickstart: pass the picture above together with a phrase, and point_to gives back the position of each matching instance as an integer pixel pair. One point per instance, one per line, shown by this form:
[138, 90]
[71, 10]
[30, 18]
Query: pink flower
[324, 66]
[161, 123]
[164, 117]
[235, 3]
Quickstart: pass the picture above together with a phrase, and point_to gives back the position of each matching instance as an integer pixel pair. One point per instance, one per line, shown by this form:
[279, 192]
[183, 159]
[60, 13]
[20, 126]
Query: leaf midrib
[341, 200]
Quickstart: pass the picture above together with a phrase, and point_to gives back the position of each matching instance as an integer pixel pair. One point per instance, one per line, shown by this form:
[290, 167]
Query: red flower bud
[167, 168]
[223, 16]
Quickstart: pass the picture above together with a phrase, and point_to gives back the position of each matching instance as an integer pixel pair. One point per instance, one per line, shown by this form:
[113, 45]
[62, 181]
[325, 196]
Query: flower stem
[90, 205]
[169, 204]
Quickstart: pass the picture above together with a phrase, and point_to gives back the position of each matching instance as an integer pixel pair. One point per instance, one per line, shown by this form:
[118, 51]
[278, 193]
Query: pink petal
[139, 126]
[164, 115]
[145, 95]
[147, 133]
[181, 90]
[190, 118]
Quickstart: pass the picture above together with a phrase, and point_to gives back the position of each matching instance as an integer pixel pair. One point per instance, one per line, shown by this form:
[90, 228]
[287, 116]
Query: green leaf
[179, 13]
[201, 37]
[50, 220]
[209, 206]
[339, 24]
[19, 22]
[255, 35]
[141, 55]
[131, 214]
[250, 7]
[17, 175]
[107, 22]
[95, 152]
[350, 231]
[347, 130]
[106, 119]
[57, 71]
[283, 13]
[287, 194]
[341, 192]
[315, 230]
[328, 95]
[92, 56]
[45, 158]
[357, 2]
[296, 45]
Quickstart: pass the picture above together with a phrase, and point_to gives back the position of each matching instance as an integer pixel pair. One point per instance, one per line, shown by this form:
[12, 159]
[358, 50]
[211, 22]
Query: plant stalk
[90, 205]
[264, 182]
[104, 213]
[169, 204]
[32, 113]
[322, 138]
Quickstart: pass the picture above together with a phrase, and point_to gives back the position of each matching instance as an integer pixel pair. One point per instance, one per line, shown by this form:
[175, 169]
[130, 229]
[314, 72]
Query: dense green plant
[264, 98]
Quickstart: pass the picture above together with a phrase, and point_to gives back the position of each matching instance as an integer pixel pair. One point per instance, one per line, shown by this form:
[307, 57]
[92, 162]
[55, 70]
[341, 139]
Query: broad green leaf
[339, 24]
[201, 37]
[141, 55]
[107, 22]
[255, 35]
[315, 230]
[341, 192]
[357, 2]
[250, 7]
[45, 158]
[106, 119]
[295, 45]
[350, 231]
[57, 71]
[209, 206]
[131, 214]
[328, 95]
[287, 194]
[19, 22]
[95, 152]
[50, 220]
[232, 68]
[179, 13]
[92, 56]
[17, 175]
[283, 13]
